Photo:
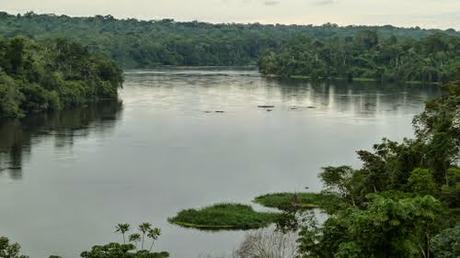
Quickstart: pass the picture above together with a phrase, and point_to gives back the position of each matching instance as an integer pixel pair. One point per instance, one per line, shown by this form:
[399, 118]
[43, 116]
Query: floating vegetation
[289, 201]
[226, 216]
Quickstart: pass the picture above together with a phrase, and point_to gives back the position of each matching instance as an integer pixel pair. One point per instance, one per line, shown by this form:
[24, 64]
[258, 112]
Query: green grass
[226, 216]
[288, 201]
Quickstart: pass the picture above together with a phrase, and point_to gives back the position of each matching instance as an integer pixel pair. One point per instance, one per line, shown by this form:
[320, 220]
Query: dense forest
[367, 55]
[142, 44]
[51, 75]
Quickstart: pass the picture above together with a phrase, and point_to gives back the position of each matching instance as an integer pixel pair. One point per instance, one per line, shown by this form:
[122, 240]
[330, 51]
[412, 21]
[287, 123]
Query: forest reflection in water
[17, 137]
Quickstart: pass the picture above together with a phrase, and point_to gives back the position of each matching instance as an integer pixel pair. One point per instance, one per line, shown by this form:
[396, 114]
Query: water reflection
[166, 153]
[241, 90]
[18, 137]
[362, 99]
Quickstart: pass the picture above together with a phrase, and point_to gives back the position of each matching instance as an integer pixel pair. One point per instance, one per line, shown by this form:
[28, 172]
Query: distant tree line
[51, 75]
[366, 55]
[144, 44]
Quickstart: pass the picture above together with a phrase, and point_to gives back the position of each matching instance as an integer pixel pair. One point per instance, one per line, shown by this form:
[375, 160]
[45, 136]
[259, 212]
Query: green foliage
[339, 180]
[288, 201]
[122, 228]
[366, 55]
[135, 238]
[385, 228]
[142, 44]
[10, 97]
[115, 250]
[51, 75]
[421, 182]
[224, 216]
[9, 250]
[447, 243]
[439, 125]
[450, 192]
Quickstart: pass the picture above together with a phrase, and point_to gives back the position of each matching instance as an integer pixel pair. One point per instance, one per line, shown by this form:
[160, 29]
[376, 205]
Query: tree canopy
[366, 55]
[142, 44]
[51, 75]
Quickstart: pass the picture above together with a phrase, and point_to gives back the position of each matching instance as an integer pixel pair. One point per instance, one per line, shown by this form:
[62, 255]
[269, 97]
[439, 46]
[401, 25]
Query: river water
[184, 138]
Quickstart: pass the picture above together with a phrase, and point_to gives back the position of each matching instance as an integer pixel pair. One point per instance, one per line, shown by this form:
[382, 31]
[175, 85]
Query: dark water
[66, 179]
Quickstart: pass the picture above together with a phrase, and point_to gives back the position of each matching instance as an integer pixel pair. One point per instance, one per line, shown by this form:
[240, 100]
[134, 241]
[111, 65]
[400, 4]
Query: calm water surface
[66, 179]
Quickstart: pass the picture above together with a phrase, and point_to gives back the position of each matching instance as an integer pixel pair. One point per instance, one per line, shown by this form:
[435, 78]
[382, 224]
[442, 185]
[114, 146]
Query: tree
[135, 238]
[385, 228]
[144, 228]
[122, 228]
[8, 250]
[421, 182]
[447, 243]
[339, 180]
[367, 39]
[15, 55]
[153, 234]
[450, 192]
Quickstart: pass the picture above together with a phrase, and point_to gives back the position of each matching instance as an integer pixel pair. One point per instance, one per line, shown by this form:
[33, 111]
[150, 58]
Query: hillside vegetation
[367, 55]
[143, 44]
[51, 75]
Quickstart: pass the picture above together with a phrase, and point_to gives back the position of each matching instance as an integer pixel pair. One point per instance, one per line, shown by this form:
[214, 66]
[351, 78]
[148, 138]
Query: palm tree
[135, 238]
[122, 228]
[144, 228]
[153, 234]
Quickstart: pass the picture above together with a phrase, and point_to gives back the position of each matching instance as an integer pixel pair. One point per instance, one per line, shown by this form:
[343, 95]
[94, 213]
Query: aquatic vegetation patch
[225, 216]
[289, 201]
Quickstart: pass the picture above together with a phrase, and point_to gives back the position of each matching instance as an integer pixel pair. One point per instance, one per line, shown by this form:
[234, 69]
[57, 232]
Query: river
[184, 138]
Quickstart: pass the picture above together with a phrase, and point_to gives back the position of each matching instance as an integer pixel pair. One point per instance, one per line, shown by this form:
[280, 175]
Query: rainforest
[126, 137]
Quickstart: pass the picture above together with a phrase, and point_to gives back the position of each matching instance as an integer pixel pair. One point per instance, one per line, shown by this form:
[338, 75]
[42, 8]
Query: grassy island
[288, 201]
[226, 216]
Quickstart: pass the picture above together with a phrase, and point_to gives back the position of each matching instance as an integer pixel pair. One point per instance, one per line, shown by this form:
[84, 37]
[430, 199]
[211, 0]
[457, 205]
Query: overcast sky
[424, 13]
